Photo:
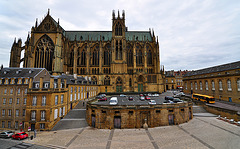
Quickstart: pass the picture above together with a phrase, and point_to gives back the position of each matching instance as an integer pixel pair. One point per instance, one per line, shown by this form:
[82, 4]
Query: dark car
[6, 134]
[169, 98]
[130, 98]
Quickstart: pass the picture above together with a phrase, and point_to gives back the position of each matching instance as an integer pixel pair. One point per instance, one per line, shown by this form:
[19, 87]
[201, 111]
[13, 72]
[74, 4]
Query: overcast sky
[192, 34]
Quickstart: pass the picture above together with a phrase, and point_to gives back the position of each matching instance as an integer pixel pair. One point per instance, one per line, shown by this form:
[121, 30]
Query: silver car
[6, 134]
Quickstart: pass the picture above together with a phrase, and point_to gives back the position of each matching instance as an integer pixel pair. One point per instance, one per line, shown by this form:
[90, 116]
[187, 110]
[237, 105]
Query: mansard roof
[106, 35]
[71, 80]
[225, 67]
[19, 72]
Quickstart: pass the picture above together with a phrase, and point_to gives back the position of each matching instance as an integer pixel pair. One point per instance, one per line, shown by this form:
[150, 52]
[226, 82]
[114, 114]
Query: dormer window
[12, 82]
[46, 85]
[6, 81]
[37, 85]
[26, 81]
[20, 81]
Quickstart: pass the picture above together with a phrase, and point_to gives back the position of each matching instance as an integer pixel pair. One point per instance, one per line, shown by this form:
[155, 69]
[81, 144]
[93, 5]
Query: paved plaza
[200, 132]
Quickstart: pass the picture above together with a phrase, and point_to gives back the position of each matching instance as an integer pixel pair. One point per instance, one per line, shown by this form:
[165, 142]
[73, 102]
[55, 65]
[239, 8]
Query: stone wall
[108, 117]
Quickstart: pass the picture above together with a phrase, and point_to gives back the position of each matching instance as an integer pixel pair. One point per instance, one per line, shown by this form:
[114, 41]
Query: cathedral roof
[106, 35]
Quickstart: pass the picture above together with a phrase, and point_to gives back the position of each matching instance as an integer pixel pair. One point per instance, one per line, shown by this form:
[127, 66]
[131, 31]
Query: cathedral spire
[118, 14]
[48, 11]
[36, 24]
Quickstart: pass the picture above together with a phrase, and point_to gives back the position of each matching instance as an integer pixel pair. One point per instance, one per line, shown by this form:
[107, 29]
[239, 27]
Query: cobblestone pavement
[200, 132]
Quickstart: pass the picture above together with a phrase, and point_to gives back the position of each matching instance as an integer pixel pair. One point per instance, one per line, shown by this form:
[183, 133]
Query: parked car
[167, 101]
[142, 98]
[169, 98]
[20, 135]
[176, 100]
[122, 95]
[100, 96]
[152, 102]
[147, 97]
[179, 94]
[6, 134]
[130, 98]
[141, 95]
[102, 99]
[113, 101]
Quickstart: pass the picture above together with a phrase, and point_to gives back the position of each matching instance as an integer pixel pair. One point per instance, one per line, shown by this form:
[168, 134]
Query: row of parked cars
[11, 134]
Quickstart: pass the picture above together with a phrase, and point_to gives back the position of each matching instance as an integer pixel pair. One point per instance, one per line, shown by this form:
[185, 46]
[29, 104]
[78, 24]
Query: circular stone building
[136, 113]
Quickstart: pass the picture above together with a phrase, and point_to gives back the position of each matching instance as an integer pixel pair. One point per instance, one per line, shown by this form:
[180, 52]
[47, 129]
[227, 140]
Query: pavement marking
[151, 139]
[55, 146]
[219, 127]
[201, 141]
[110, 139]
[74, 138]
[74, 119]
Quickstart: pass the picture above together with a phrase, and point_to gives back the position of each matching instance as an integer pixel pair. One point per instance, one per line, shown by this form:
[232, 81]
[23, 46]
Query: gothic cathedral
[118, 60]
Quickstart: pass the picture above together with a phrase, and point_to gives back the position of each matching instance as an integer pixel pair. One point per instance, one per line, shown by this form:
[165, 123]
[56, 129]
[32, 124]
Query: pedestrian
[35, 133]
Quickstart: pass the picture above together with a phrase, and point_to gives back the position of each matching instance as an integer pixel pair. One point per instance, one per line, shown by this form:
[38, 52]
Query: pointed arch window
[83, 56]
[129, 55]
[107, 55]
[139, 56]
[107, 80]
[44, 53]
[149, 57]
[71, 60]
[118, 29]
[95, 56]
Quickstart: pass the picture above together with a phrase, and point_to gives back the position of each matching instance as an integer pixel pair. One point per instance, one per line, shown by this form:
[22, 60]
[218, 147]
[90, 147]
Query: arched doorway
[119, 85]
[140, 83]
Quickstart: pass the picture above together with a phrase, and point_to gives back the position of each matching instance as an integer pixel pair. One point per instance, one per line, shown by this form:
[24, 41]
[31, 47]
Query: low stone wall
[108, 117]
[223, 112]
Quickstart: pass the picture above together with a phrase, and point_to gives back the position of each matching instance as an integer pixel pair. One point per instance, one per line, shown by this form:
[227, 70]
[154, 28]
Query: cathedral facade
[118, 60]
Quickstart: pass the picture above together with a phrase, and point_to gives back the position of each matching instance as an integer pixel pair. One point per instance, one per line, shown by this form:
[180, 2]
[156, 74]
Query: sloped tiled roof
[225, 67]
[22, 72]
[106, 35]
[70, 78]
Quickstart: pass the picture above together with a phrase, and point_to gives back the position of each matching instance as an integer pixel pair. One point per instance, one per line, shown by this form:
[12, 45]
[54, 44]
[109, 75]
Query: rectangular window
[213, 85]
[75, 89]
[24, 112]
[71, 89]
[25, 101]
[229, 85]
[34, 101]
[191, 86]
[16, 124]
[55, 113]
[5, 91]
[42, 126]
[10, 100]
[4, 101]
[3, 112]
[19, 91]
[9, 112]
[33, 116]
[25, 92]
[17, 113]
[43, 100]
[62, 96]
[18, 99]
[3, 124]
[56, 99]
[9, 124]
[11, 91]
[43, 113]
[206, 85]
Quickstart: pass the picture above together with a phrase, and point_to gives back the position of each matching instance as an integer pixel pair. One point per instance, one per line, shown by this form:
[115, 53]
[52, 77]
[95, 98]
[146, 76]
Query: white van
[113, 101]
